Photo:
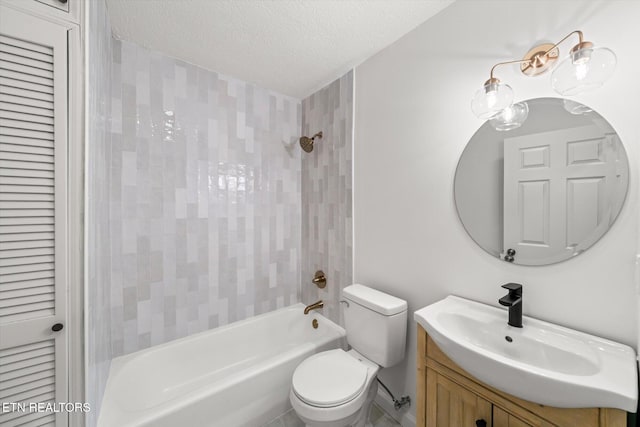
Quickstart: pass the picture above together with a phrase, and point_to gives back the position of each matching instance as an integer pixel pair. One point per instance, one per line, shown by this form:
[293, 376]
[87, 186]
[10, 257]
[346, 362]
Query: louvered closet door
[33, 217]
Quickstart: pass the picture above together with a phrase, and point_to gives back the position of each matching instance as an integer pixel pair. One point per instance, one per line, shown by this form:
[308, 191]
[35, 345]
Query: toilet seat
[329, 379]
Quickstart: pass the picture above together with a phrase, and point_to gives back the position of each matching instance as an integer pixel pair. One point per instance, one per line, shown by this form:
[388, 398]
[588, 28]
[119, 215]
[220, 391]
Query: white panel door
[555, 192]
[33, 216]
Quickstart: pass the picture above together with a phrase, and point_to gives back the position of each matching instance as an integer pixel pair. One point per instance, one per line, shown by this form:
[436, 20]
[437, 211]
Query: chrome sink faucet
[316, 305]
[514, 301]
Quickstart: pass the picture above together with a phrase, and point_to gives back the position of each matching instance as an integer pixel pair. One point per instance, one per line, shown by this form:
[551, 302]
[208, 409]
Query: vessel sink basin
[540, 362]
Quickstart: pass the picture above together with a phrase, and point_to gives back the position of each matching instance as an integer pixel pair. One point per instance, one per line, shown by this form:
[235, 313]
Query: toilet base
[365, 411]
[359, 419]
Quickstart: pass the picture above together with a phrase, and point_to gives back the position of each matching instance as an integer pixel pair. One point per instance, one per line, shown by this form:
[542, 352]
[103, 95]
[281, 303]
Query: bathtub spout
[316, 305]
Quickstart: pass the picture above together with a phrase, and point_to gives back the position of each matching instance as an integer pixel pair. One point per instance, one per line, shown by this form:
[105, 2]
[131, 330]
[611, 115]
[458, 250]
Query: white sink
[540, 362]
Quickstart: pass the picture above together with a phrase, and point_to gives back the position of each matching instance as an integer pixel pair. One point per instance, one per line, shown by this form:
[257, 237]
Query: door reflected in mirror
[546, 191]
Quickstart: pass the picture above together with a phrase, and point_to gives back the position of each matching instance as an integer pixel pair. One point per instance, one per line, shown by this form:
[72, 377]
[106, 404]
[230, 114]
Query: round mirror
[545, 191]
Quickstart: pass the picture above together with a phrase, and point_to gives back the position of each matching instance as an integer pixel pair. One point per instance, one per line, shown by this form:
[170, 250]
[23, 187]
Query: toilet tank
[376, 324]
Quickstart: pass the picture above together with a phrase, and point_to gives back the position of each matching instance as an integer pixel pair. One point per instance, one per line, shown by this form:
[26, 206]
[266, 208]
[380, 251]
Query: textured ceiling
[291, 46]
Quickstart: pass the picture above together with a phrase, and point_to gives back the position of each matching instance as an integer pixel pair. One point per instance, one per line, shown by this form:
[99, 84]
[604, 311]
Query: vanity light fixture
[586, 68]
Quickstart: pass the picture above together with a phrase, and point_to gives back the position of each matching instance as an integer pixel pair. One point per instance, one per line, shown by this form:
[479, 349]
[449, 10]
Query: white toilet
[336, 388]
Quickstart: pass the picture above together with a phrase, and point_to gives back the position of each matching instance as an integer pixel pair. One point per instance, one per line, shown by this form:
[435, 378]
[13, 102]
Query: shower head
[307, 143]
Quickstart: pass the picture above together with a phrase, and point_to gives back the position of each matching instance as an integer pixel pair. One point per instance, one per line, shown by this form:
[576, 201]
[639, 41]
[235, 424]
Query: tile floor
[378, 418]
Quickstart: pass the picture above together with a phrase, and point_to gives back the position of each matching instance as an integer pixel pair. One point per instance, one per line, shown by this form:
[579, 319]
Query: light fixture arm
[580, 40]
[538, 59]
[515, 61]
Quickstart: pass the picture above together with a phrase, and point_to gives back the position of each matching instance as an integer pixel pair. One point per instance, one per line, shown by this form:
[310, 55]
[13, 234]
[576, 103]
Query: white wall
[412, 122]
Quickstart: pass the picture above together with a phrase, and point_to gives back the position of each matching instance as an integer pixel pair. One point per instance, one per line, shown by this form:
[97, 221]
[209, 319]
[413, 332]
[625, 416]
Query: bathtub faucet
[316, 305]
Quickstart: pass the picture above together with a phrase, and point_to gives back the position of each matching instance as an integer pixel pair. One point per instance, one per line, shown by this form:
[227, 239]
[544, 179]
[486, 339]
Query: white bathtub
[235, 375]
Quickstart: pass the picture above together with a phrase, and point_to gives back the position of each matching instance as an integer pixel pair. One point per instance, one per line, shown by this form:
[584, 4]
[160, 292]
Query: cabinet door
[502, 418]
[451, 405]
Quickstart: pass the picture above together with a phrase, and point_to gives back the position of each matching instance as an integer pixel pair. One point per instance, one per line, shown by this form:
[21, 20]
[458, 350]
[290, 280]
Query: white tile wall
[205, 200]
[327, 226]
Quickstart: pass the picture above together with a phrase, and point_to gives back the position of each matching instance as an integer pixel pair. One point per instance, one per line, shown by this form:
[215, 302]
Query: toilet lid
[329, 378]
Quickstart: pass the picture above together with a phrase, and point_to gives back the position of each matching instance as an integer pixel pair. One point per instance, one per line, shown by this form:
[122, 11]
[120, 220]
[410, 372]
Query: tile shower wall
[327, 235]
[98, 158]
[205, 199]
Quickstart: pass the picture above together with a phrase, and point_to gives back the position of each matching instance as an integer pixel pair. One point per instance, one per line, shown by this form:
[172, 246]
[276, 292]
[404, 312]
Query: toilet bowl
[334, 388]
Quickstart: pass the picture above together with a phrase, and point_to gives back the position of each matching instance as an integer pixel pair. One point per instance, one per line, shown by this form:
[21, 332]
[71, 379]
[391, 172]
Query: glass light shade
[491, 99]
[511, 117]
[585, 69]
[575, 108]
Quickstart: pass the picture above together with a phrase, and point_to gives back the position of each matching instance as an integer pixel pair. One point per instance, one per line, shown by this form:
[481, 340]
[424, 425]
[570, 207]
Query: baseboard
[403, 416]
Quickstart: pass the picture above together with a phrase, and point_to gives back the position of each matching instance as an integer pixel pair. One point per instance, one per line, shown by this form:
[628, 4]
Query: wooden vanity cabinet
[454, 404]
[447, 396]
